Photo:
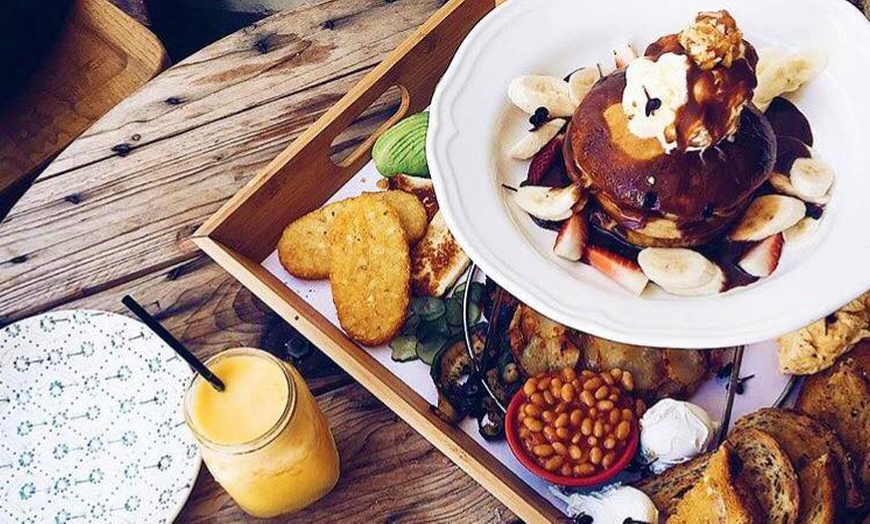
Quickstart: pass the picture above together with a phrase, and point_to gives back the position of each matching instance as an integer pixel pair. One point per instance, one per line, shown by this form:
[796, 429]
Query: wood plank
[209, 311]
[286, 53]
[131, 215]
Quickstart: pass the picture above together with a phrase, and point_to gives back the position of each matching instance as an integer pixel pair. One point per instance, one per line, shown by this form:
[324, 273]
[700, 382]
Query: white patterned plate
[472, 125]
[91, 422]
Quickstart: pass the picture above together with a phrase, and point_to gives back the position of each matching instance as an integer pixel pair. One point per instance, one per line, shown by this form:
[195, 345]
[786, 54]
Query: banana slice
[802, 231]
[676, 269]
[623, 53]
[548, 203]
[783, 184]
[533, 91]
[535, 140]
[766, 216]
[712, 287]
[786, 74]
[580, 82]
[767, 56]
[811, 177]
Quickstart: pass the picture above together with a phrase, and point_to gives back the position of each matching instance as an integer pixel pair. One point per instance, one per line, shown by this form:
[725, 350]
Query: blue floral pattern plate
[91, 422]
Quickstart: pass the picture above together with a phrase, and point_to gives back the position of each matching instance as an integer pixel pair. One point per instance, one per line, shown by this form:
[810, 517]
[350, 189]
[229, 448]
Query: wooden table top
[113, 215]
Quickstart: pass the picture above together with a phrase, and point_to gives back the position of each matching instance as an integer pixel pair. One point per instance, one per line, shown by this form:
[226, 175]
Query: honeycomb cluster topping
[713, 39]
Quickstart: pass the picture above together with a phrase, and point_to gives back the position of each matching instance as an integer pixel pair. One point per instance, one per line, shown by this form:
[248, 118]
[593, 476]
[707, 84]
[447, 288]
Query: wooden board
[102, 56]
[301, 178]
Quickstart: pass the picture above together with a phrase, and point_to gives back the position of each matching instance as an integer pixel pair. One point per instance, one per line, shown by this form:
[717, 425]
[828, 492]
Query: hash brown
[304, 246]
[370, 270]
[411, 212]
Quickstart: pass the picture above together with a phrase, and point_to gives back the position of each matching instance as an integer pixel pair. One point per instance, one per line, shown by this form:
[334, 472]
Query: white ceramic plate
[472, 125]
[91, 423]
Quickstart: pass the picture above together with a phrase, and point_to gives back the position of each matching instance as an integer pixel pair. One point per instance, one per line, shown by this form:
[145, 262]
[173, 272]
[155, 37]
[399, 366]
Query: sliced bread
[721, 496]
[840, 397]
[804, 440]
[666, 490]
[768, 471]
[821, 491]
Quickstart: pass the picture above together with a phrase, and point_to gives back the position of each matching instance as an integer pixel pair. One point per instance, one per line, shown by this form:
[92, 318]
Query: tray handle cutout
[404, 100]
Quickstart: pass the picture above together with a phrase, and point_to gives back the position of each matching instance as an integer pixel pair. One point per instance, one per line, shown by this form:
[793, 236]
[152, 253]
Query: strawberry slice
[762, 259]
[572, 238]
[544, 160]
[625, 272]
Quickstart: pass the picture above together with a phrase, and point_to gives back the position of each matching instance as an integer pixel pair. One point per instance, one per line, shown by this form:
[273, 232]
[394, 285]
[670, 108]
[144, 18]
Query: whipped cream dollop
[654, 91]
[673, 431]
[611, 504]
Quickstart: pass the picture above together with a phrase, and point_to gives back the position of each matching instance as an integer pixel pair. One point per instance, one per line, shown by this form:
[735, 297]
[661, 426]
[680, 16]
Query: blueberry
[650, 199]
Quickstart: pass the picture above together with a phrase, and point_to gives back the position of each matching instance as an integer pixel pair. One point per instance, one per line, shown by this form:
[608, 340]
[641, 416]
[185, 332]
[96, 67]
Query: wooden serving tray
[244, 232]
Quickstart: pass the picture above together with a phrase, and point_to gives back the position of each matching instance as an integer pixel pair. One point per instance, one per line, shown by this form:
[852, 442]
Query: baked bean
[575, 452]
[616, 373]
[595, 455]
[627, 414]
[521, 415]
[565, 470]
[604, 405]
[608, 379]
[592, 441]
[597, 429]
[568, 374]
[563, 433]
[532, 410]
[537, 399]
[613, 397]
[602, 392]
[609, 443]
[548, 398]
[561, 421]
[608, 460]
[584, 374]
[593, 412]
[584, 469]
[556, 383]
[576, 418]
[576, 438]
[592, 384]
[586, 427]
[567, 393]
[543, 383]
[587, 398]
[627, 382]
[530, 387]
[560, 448]
[524, 432]
[614, 416]
[532, 424]
[561, 407]
[553, 463]
[623, 429]
[556, 392]
[550, 433]
[543, 450]
[607, 428]
[547, 416]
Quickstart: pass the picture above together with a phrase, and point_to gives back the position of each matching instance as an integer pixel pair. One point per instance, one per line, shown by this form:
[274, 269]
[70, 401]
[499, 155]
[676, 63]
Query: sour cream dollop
[612, 504]
[673, 431]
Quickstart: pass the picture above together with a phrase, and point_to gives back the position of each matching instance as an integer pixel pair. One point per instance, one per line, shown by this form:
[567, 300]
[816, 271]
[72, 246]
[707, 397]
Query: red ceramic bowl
[511, 427]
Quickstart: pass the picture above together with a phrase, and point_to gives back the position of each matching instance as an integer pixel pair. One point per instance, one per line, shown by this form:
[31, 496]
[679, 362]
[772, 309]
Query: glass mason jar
[279, 470]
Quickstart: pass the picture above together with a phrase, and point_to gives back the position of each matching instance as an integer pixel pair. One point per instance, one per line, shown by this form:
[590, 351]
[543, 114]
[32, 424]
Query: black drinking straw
[173, 342]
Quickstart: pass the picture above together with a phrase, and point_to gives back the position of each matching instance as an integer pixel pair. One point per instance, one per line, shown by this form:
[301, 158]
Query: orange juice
[263, 438]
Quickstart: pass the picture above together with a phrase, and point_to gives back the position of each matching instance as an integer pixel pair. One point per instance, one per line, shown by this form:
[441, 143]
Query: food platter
[472, 125]
[567, 384]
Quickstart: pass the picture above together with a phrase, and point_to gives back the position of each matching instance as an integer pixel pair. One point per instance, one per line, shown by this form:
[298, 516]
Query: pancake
[682, 198]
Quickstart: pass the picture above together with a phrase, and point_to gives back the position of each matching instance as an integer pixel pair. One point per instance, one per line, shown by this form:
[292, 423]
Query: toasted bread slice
[420, 187]
[437, 261]
[540, 345]
[669, 488]
[821, 491]
[805, 440]
[840, 397]
[769, 474]
[721, 496]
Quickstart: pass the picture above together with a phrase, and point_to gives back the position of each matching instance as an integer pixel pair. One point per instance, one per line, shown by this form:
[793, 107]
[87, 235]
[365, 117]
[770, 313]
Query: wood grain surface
[113, 213]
